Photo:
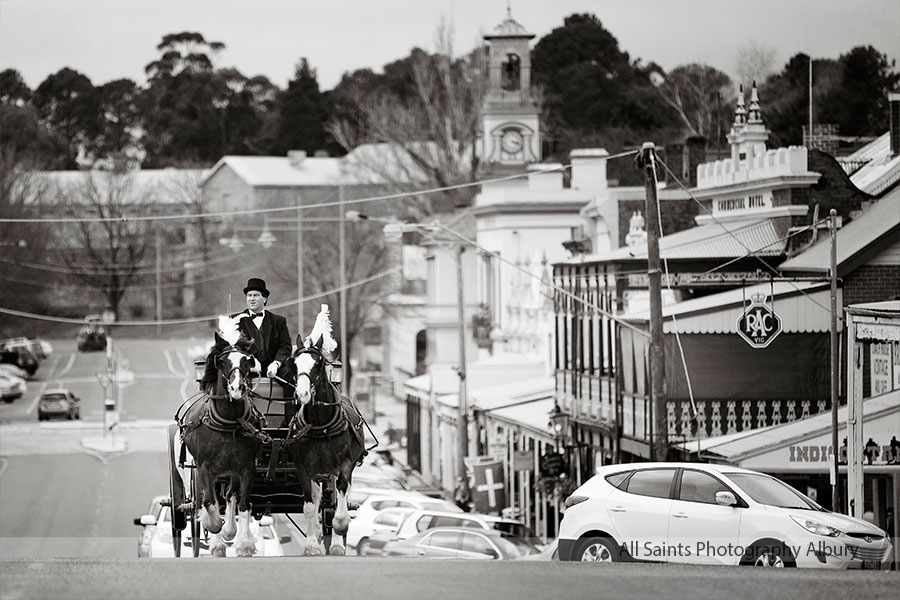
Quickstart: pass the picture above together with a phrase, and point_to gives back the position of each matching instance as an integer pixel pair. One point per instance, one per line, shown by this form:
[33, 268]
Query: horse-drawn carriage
[258, 446]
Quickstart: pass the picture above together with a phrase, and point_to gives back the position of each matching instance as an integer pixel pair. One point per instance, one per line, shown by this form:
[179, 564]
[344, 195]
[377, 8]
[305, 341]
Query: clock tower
[510, 117]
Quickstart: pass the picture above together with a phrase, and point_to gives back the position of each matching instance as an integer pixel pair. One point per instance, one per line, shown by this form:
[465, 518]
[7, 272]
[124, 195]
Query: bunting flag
[489, 490]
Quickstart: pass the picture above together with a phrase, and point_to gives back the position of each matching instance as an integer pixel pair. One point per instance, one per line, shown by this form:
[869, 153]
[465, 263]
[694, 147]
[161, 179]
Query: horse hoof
[337, 551]
[312, 551]
[217, 552]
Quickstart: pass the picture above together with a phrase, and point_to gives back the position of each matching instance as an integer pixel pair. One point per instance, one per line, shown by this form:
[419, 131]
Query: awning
[803, 307]
[803, 446]
[532, 415]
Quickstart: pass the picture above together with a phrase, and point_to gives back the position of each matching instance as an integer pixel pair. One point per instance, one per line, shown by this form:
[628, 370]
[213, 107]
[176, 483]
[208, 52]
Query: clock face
[511, 141]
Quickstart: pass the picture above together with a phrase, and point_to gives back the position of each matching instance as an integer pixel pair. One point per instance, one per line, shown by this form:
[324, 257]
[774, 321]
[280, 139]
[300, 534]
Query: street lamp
[559, 423]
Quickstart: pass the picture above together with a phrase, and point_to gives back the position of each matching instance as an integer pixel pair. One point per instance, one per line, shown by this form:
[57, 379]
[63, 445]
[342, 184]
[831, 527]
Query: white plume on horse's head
[322, 329]
[228, 328]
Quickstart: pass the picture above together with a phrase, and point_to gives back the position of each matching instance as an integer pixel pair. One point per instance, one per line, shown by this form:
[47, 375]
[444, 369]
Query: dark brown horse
[223, 439]
[328, 437]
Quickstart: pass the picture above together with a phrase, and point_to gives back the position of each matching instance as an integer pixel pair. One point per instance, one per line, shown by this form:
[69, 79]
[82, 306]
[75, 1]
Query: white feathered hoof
[245, 550]
[217, 548]
[313, 551]
[337, 551]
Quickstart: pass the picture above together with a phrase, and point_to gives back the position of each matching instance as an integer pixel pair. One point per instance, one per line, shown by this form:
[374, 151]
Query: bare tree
[428, 139]
[697, 93]
[106, 242]
[754, 63]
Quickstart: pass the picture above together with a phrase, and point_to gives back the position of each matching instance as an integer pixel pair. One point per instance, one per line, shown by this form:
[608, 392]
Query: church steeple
[510, 113]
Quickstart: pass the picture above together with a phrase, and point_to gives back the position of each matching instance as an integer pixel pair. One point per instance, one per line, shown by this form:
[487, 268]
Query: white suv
[710, 514]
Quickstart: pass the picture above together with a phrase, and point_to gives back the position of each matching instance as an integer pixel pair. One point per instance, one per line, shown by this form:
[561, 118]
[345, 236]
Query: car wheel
[597, 549]
[768, 554]
[362, 548]
[8, 400]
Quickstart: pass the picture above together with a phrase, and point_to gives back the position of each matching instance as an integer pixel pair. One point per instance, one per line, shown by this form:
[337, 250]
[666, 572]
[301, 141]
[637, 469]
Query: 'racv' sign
[759, 325]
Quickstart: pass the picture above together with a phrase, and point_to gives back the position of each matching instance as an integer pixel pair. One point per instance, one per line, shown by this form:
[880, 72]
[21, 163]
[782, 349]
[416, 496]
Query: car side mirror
[726, 499]
[146, 520]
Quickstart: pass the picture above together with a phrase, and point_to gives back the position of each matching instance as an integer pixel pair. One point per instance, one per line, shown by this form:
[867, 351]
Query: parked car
[459, 542]
[20, 357]
[148, 530]
[710, 514]
[41, 349]
[58, 402]
[549, 552]
[387, 520]
[420, 520]
[376, 477]
[369, 517]
[384, 460]
[157, 529]
[8, 369]
[11, 387]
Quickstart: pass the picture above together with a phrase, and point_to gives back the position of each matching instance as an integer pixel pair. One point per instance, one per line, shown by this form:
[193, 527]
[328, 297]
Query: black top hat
[257, 284]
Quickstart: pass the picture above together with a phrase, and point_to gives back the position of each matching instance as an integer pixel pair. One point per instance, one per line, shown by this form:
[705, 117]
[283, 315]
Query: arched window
[510, 72]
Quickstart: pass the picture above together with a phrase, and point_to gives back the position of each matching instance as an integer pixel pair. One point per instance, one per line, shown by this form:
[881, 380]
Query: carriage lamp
[199, 368]
[336, 372]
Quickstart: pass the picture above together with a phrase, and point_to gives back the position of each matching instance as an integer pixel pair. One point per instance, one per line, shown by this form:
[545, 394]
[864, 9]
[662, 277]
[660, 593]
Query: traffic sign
[759, 325]
[103, 378]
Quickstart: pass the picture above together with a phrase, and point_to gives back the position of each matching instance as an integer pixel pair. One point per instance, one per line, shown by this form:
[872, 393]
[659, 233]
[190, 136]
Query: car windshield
[53, 397]
[772, 492]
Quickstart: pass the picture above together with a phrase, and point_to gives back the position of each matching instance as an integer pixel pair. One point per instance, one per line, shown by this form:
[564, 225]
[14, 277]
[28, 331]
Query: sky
[113, 39]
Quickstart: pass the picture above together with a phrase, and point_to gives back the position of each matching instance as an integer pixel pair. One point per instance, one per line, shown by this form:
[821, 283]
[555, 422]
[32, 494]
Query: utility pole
[300, 330]
[343, 284]
[158, 284]
[463, 418]
[659, 427]
[835, 376]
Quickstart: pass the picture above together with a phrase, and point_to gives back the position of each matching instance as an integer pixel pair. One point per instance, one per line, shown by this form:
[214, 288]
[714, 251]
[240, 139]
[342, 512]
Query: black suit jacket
[273, 341]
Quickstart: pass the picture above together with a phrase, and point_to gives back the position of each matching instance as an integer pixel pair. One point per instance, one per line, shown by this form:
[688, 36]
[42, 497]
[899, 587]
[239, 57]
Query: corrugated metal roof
[366, 164]
[709, 241]
[533, 415]
[878, 220]
[513, 393]
[881, 169]
[277, 171]
[803, 307]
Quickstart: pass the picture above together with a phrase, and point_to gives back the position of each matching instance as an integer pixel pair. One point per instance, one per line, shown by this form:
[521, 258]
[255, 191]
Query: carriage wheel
[176, 494]
[195, 521]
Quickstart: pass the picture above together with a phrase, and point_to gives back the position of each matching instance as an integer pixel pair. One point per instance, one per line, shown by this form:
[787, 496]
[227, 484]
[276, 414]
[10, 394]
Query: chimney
[588, 168]
[694, 155]
[894, 101]
[296, 157]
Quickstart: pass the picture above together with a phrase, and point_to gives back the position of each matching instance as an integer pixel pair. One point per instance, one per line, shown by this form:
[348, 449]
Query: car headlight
[816, 527]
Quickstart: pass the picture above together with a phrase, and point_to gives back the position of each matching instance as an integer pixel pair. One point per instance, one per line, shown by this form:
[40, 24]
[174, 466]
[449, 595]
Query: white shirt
[258, 319]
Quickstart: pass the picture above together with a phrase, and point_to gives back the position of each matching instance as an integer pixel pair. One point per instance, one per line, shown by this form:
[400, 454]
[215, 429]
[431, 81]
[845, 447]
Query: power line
[365, 280]
[265, 211]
